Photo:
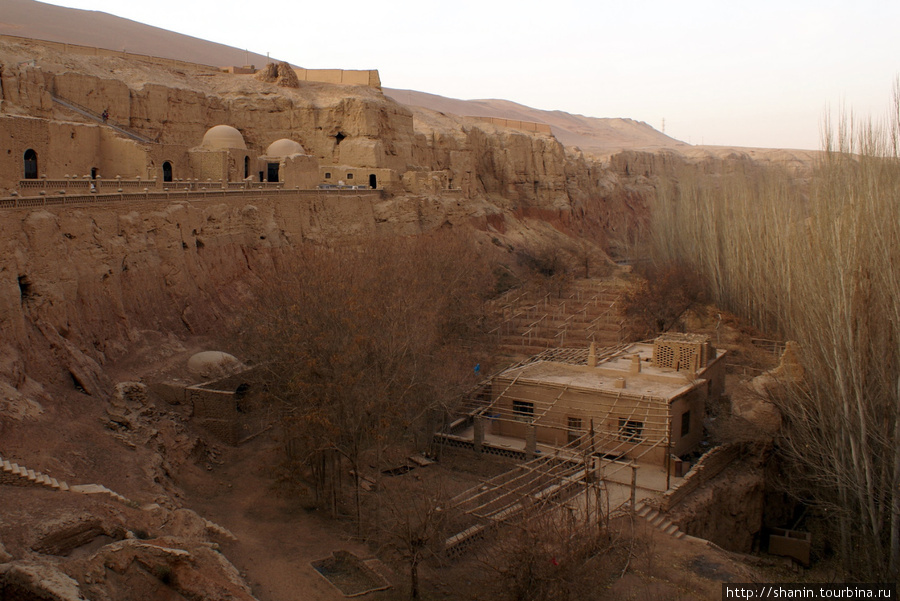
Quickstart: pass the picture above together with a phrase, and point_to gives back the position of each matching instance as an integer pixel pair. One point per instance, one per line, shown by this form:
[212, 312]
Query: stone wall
[341, 76]
[67, 149]
[709, 466]
[526, 125]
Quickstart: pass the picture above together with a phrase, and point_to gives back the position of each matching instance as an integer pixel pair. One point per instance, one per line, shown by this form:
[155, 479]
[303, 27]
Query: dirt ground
[278, 534]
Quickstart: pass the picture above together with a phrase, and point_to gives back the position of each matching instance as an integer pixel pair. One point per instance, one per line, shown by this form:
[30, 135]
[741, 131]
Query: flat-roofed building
[643, 401]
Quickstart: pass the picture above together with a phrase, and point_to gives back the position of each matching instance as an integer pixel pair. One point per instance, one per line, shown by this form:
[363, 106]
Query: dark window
[31, 166]
[630, 430]
[246, 167]
[273, 172]
[373, 181]
[349, 176]
[523, 411]
[327, 175]
[94, 172]
[575, 431]
[167, 171]
[685, 423]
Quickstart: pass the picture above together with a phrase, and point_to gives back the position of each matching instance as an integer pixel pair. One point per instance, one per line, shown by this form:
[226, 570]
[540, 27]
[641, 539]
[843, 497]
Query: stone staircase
[659, 521]
[86, 112]
[17, 475]
[587, 311]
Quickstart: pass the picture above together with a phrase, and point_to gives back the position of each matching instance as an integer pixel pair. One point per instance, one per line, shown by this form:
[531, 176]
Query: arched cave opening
[26, 292]
[31, 166]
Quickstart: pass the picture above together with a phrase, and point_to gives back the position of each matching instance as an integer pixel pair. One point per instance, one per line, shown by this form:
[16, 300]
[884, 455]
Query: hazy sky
[760, 73]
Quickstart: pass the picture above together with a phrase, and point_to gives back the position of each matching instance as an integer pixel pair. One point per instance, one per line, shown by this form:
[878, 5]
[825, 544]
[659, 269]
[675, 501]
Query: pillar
[478, 438]
[530, 441]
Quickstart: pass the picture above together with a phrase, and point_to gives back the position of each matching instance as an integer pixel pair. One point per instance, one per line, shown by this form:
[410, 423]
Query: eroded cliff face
[78, 285]
[340, 125]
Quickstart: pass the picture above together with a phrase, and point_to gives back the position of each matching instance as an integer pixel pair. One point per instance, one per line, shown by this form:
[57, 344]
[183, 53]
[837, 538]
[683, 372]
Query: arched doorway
[373, 181]
[273, 172]
[246, 167]
[31, 166]
[167, 171]
[94, 172]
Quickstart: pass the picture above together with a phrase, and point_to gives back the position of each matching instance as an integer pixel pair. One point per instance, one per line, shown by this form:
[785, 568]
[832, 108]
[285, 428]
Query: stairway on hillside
[17, 475]
[86, 112]
[586, 311]
[659, 521]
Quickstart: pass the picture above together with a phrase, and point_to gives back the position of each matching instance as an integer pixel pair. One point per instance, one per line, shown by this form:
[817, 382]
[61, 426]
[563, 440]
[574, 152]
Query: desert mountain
[29, 18]
[588, 133]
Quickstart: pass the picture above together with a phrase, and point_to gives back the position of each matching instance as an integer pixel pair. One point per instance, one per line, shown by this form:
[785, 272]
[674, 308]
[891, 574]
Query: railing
[22, 202]
[36, 186]
[83, 184]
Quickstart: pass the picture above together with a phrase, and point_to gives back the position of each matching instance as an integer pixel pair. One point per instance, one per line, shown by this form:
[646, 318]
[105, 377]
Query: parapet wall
[340, 76]
[367, 77]
[526, 125]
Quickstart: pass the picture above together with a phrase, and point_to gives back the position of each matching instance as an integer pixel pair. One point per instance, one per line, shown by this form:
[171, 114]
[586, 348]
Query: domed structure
[210, 364]
[223, 137]
[284, 148]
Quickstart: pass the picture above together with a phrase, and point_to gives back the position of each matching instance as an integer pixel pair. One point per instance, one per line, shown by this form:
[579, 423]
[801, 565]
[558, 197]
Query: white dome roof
[209, 364]
[222, 137]
[284, 148]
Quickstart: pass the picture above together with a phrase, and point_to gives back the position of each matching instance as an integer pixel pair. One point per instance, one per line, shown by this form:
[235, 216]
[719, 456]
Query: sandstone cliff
[77, 284]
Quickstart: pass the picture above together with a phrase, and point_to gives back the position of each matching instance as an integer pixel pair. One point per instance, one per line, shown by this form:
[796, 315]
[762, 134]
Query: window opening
[686, 423]
[630, 430]
[523, 411]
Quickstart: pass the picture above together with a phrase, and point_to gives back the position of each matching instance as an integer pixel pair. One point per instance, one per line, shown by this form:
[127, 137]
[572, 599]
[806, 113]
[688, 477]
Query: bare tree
[816, 261]
[414, 524]
[363, 343]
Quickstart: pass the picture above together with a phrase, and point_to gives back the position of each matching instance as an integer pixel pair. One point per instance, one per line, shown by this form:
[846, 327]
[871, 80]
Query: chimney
[619, 383]
[635, 364]
[592, 356]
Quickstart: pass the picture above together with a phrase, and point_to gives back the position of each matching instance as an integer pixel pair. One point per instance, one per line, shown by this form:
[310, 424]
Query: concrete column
[530, 441]
[478, 438]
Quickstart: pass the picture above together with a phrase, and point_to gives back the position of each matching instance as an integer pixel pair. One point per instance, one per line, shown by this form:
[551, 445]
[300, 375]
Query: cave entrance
[31, 166]
[273, 172]
[167, 171]
[373, 181]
